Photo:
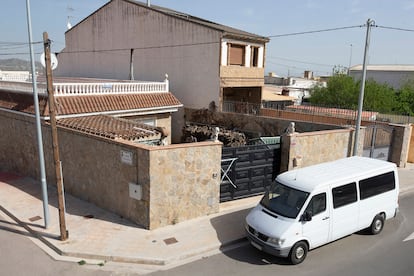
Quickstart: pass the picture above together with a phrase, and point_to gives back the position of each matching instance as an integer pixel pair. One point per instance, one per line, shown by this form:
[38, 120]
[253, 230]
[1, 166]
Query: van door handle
[325, 218]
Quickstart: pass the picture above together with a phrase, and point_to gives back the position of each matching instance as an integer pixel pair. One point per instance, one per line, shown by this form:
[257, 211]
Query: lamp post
[38, 124]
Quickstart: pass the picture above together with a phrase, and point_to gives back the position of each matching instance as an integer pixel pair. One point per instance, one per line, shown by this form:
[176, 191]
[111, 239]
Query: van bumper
[265, 247]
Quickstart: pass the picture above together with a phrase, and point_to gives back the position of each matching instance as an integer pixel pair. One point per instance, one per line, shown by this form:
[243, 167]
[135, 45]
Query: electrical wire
[395, 29]
[298, 61]
[140, 48]
[316, 31]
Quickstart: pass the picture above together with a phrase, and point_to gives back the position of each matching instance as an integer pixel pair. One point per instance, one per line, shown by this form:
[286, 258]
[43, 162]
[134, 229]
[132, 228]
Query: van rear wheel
[377, 224]
[298, 252]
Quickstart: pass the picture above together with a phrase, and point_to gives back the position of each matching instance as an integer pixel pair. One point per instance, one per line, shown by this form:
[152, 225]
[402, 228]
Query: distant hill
[15, 64]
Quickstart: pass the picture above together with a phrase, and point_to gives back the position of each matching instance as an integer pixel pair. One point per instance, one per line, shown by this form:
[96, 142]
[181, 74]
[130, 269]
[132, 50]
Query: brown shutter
[236, 55]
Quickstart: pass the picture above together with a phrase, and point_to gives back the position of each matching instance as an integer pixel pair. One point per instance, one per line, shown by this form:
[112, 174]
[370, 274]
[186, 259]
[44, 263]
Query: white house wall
[189, 53]
[394, 79]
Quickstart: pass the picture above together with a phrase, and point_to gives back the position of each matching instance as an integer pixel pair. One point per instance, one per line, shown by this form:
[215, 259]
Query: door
[317, 230]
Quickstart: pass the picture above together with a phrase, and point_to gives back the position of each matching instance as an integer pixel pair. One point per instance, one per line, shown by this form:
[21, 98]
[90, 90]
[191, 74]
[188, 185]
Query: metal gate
[248, 170]
[377, 141]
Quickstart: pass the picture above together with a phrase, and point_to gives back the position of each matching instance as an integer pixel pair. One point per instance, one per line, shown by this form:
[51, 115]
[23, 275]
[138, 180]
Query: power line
[394, 28]
[317, 31]
[141, 48]
[304, 62]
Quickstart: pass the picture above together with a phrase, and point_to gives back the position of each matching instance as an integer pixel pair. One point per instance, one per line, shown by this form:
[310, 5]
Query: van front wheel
[298, 252]
[377, 224]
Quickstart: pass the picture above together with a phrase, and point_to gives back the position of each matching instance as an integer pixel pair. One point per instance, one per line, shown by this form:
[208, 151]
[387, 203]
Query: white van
[311, 206]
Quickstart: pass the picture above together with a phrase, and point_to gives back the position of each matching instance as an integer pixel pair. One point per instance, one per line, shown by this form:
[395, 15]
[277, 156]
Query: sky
[319, 52]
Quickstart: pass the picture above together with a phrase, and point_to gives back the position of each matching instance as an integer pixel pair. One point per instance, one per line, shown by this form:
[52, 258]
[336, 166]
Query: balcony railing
[74, 88]
[241, 107]
[99, 88]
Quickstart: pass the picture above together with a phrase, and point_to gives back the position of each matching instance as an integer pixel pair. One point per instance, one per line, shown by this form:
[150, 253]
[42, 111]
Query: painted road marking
[410, 237]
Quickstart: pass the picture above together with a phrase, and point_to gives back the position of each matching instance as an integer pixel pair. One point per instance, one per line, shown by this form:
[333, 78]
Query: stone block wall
[185, 182]
[178, 182]
[305, 149]
[400, 144]
[411, 148]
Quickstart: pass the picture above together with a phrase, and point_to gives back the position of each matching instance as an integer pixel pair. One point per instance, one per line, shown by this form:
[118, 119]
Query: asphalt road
[358, 254]
[20, 256]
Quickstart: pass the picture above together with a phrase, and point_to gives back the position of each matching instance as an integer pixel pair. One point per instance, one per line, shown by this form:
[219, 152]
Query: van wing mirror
[307, 216]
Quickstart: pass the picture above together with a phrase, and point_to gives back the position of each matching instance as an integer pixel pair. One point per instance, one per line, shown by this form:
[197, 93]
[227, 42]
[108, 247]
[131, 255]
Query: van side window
[344, 195]
[317, 204]
[377, 185]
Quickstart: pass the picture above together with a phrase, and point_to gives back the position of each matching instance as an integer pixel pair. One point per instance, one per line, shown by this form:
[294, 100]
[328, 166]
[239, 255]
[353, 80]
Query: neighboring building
[15, 75]
[393, 75]
[272, 97]
[134, 111]
[207, 62]
[295, 87]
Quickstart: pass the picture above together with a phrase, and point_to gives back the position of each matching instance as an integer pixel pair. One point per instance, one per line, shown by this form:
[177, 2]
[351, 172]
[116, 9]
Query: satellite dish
[53, 60]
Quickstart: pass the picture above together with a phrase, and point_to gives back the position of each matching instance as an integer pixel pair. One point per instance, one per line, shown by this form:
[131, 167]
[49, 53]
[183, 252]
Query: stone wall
[185, 182]
[411, 149]
[400, 144]
[305, 149]
[175, 182]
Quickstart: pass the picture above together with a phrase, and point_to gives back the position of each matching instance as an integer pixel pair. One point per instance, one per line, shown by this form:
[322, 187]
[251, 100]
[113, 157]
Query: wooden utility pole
[52, 113]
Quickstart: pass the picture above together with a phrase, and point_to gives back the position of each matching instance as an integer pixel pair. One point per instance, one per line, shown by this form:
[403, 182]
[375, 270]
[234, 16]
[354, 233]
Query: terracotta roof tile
[70, 105]
[110, 127]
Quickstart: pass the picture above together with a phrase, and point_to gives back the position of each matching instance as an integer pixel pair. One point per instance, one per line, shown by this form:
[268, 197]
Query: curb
[118, 259]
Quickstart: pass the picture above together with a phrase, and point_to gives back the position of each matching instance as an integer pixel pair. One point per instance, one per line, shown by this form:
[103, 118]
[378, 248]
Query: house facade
[207, 63]
[135, 111]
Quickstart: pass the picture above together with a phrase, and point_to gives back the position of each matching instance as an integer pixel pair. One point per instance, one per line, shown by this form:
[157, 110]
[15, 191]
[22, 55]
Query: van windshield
[284, 200]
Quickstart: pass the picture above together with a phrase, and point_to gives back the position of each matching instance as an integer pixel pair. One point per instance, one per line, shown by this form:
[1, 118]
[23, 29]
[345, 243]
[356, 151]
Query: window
[236, 54]
[377, 185]
[147, 121]
[344, 195]
[255, 57]
[317, 204]
[284, 200]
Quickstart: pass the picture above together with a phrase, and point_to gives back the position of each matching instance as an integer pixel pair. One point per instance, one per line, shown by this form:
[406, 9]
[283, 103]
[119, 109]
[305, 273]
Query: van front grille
[257, 234]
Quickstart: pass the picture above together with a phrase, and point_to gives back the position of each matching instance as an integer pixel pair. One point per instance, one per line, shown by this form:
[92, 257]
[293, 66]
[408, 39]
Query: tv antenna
[70, 10]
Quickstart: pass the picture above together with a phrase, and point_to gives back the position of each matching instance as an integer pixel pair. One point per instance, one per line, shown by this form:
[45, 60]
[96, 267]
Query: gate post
[400, 144]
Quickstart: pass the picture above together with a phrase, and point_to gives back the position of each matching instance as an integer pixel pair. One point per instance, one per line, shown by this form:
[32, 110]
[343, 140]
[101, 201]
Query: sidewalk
[100, 235]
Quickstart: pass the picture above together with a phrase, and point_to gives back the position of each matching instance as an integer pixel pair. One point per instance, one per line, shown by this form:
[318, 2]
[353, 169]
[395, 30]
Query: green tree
[378, 97]
[405, 99]
[341, 91]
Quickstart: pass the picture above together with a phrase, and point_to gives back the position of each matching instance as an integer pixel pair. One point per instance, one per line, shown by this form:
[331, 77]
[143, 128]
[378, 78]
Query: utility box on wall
[135, 191]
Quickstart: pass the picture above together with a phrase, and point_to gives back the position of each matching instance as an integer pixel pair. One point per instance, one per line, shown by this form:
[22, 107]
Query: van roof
[308, 178]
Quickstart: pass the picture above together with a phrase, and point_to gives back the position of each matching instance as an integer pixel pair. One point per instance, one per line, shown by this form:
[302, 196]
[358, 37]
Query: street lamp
[38, 125]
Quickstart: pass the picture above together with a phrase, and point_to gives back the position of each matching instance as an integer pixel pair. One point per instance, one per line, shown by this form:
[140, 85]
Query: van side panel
[345, 210]
[378, 194]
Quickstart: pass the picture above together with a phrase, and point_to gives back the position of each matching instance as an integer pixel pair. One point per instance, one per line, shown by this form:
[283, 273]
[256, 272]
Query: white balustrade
[74, 89]
[91, 88]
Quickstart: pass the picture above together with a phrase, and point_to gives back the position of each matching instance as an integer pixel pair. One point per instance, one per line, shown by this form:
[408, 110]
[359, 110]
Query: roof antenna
[68, 24]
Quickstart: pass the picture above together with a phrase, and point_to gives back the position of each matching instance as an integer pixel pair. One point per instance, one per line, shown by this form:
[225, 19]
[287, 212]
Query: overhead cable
[317, 31]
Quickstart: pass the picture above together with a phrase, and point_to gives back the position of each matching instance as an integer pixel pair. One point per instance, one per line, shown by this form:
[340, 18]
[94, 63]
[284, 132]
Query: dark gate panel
[248, 170]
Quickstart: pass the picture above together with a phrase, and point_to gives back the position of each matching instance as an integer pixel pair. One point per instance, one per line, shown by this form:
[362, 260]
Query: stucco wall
[178, 182]
[239, 76]
[189, 53]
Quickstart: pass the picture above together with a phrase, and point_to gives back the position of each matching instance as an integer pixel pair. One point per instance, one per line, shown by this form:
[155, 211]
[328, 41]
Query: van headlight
[276, 241]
